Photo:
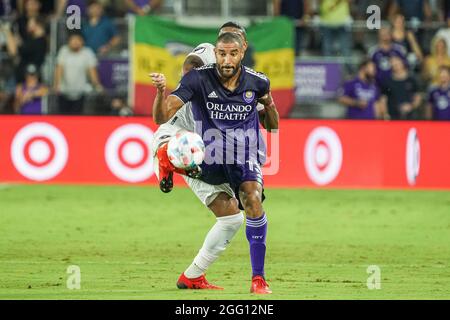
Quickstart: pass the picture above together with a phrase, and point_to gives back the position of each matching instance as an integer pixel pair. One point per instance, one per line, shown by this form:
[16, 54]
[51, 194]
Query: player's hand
[159, 81]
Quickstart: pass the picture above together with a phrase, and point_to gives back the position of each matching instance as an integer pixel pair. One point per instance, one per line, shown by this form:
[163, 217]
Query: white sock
[215, 243]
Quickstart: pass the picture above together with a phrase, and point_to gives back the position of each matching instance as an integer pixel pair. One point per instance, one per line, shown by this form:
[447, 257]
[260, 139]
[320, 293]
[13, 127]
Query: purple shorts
[234, 174]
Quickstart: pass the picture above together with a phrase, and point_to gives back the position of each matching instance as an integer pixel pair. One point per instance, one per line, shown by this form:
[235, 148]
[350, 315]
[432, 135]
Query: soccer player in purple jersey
[224, 98]
[438, 107]
[361, 95]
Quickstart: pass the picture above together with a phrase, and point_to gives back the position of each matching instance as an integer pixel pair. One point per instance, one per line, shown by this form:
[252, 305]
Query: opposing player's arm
[163, 108]
[269, 117]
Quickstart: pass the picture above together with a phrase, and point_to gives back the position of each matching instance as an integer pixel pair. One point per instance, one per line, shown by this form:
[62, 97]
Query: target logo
[39, 151]
[128, 153]
[412, 156]
[323, 155]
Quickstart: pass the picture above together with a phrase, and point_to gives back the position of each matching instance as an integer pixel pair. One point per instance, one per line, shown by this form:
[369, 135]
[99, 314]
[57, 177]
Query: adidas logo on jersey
[213, 95]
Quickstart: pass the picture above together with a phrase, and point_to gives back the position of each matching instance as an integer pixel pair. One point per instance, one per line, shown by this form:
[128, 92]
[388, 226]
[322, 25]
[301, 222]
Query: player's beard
[227, 75]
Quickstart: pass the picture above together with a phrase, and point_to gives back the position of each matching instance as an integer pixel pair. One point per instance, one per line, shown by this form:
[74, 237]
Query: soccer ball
[186, 150]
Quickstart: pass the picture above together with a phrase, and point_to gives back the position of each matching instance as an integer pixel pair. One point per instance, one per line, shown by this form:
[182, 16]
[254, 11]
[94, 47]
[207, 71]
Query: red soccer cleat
[259, 286]
[196, 283]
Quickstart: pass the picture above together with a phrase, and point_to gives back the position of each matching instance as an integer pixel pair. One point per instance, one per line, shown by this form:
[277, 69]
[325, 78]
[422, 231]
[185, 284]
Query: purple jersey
[33, 106]
[221, 111]
[381, 58]
[361, 90]
[228, 122]
[439, 98]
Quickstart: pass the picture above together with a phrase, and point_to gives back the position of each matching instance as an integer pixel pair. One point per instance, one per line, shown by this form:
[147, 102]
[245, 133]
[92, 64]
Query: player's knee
[252, 204]
[224, 205]
[232, 206]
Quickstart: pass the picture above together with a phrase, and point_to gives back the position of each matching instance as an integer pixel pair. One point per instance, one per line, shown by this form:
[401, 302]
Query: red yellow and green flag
[160, 45]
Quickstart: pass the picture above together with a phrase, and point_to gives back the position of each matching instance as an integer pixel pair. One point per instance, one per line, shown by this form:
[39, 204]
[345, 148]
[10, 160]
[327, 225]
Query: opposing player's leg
[221, 201]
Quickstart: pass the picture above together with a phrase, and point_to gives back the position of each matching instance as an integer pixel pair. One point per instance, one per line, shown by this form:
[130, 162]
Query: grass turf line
[133, 242]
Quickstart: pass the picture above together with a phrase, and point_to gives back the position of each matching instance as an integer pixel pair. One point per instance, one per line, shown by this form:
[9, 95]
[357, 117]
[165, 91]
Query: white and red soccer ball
[186, 150]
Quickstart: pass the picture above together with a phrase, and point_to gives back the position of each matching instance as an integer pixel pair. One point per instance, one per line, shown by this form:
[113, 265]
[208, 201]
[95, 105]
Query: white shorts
[204, 191]
[207, 192]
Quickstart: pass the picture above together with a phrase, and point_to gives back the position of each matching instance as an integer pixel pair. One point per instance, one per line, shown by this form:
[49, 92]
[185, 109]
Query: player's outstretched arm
[271, 116]
[163, 108]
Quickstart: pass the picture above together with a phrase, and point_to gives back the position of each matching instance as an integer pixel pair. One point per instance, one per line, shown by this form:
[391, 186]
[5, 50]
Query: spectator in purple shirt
[361, 95]
[438, 107]
[382, 53]
[29, 94]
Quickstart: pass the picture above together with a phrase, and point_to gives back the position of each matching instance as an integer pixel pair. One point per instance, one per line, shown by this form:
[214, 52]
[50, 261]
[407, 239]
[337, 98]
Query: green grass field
[133, 242]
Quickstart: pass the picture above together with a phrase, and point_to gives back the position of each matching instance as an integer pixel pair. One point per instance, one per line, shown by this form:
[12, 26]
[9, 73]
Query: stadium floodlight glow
[39, 151]
[128, 153]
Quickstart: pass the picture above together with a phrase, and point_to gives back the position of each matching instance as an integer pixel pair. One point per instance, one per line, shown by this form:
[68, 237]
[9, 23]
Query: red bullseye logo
[127, 153]
[133, 153]
[39, 151]
[323, 155]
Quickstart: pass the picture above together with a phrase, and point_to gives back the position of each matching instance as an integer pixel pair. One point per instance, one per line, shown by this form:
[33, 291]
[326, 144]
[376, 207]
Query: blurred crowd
[24, 46]
[403, 76]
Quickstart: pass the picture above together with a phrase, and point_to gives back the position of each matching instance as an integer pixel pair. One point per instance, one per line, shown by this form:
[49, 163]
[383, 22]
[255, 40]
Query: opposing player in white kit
[220, 199]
